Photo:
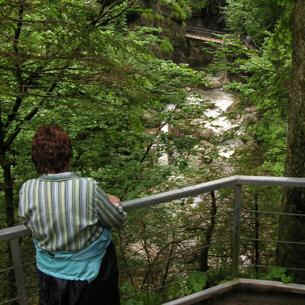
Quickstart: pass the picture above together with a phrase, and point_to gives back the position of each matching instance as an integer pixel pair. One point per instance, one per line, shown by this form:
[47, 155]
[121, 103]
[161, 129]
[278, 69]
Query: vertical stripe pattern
[66, 212]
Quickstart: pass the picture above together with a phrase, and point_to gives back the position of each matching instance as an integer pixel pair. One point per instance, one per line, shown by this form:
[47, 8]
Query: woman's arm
[110, 211]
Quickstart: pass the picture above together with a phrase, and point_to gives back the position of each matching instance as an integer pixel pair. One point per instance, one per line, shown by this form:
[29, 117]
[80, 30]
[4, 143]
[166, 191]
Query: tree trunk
[8, 194]
[292, 228]
[10, 219]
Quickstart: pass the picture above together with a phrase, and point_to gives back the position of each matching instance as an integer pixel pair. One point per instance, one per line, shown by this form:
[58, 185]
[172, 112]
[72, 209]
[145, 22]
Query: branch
[1, 128]
[152, 143]
[103, 10]
[16, 41]
[19, 27]
[18, 128]
[24, 86]
[125, 260]
[12, 116]
[19, 79]
[113, 17]
[165, 274]
[27, 118]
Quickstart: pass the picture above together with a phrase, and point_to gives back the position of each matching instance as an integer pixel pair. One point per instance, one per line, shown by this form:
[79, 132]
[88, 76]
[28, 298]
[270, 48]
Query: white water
[163, 159]
[217, 103]
[220, 102]
[214, 118]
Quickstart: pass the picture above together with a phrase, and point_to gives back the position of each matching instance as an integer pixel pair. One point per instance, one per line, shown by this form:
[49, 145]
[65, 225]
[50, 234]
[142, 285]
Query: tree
[46, 62]
[260, 74]
[292, 227]
[47, 54]
[253, 18]
[78, 64]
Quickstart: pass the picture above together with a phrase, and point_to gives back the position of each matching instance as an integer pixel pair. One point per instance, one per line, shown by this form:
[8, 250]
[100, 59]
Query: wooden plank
[19, 274]
[14, 232]
[205, 294]
[238, 285]
[274, 286]
[202, 38]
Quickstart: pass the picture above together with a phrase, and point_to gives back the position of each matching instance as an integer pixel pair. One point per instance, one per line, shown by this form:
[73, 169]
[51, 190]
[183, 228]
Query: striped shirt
[66, 212]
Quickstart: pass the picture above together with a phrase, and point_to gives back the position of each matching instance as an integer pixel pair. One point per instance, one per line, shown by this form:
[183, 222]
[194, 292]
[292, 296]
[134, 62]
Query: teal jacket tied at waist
[83, 265]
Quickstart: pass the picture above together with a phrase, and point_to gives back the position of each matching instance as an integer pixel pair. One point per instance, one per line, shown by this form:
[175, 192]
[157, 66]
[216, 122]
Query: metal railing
[14, 234]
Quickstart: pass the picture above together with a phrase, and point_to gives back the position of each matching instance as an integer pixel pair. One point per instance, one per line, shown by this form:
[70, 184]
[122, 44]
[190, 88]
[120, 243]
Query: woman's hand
[114, 200]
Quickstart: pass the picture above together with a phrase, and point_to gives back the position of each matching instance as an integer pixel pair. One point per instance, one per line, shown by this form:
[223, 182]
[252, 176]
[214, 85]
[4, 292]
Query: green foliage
[149, 16]
[260, 69]
[138, 297]
[253, 18]
[162, 11]
[86, 70]
[82, 68]
[166, 46]
[194, 282]
[277, 273]
[216, 276]
[199, 4]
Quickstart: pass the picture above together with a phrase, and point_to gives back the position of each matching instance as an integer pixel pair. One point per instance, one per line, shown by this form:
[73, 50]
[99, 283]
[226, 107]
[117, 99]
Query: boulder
[205, 133]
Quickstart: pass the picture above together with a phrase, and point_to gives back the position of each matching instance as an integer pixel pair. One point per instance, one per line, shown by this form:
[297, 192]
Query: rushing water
[222, 101]
[214, 119]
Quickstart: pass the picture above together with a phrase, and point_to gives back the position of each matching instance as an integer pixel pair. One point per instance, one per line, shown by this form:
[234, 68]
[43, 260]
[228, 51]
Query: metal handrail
[212, 186]
[13, 234]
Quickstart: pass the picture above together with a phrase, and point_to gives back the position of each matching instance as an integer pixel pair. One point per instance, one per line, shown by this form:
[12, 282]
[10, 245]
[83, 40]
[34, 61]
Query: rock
[205, 145]
[214, 82]
[205, 133]
[251, 109]
[204, 153]
[152, 131]
[218, 81]
[250, 115]
[233, 107]
[249, 118]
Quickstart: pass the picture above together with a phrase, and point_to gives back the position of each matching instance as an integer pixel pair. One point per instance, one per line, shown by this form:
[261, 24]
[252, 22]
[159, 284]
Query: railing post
[236, 230]
[19, 275]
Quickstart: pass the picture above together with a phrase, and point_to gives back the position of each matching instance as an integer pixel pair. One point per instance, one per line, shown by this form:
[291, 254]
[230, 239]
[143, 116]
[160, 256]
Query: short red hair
[51, 149]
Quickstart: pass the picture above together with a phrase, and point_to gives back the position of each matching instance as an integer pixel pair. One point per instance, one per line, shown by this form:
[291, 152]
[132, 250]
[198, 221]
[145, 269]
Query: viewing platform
[227, 227]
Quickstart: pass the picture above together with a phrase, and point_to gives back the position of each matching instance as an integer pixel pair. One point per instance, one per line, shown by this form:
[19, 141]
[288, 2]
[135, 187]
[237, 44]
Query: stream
[216, 119]
[219, 131]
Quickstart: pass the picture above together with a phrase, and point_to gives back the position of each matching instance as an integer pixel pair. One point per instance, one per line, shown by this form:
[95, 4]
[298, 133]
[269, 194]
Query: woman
[71, 219]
